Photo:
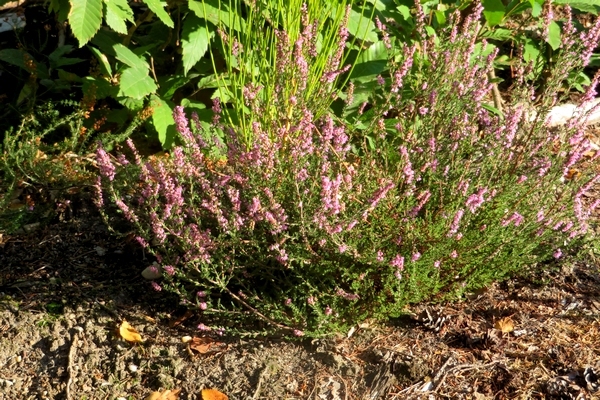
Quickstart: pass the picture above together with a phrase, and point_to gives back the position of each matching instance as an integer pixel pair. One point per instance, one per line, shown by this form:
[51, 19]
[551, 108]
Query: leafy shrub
[315, 225]
[42, 159]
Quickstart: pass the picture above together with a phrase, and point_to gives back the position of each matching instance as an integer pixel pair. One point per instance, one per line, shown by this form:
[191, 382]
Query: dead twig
[71, 362]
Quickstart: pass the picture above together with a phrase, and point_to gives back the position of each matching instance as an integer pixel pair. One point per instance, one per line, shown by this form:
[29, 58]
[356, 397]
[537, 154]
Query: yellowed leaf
[213, 394]
[506, 325]
[129, 333]
[166, 395]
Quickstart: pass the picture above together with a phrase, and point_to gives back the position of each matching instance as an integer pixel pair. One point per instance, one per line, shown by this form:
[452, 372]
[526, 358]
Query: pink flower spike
[558, 254]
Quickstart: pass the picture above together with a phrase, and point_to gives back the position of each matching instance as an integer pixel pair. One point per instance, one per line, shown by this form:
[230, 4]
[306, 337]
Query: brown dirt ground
[66, 287]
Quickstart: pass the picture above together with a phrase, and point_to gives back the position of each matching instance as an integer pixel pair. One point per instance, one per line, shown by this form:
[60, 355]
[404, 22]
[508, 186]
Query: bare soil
[65, 288]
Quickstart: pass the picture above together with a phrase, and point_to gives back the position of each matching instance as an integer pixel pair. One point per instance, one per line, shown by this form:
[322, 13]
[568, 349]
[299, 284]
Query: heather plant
[43, 158]
[312, 225]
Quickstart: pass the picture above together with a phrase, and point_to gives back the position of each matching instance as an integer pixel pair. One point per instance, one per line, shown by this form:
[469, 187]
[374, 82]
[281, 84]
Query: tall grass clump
[314, 226]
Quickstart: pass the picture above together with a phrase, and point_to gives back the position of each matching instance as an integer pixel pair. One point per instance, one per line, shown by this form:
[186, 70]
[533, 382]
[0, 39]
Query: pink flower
[558, 254]
[203, 327]
[415, 256]
[156, 286]
[104, 163]
[203, 306]
[298, 332]
[169, 269]
[398, 262]
[328, 310]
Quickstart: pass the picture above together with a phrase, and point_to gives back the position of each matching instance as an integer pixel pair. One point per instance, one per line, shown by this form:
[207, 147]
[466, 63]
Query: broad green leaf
[536, 8]
[57, 60]
[493, 10]
[85, 19]
[440, 17]
[194, 41]
[360, 27]
[554, 35]
[158, 8]
[215, 12]
[590, 6]
[516, 7]
[104, 64]
[14, 57]
[128, 57]
[28, 92]
[404, 11]
[68, 76]
[498, 34]
[370, 63]
[17, 57]
[162, 118]
[62, 7]
[99, 88]
[136, 83]
[168, 85]
[117, 12]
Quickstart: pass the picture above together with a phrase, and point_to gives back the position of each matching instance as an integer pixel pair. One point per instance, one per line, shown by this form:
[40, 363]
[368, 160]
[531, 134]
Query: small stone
[133, 367]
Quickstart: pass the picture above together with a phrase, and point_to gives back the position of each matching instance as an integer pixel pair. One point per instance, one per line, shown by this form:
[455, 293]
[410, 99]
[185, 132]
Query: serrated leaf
[194, 41]
[136, 83]
[158, 8]
[216, 12]
[14, 57]
[590, 6]
[494, 11]
[85, 19]
[117, 12]
[162, 118]
[65, 61]
[128, 57]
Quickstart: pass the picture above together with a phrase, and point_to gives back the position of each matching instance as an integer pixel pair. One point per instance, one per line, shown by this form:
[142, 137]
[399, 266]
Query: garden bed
[66, 289]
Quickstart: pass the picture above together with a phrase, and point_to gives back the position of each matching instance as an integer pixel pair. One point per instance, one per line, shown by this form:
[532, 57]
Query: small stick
[70, 363]
[255, 311]
[495, 92]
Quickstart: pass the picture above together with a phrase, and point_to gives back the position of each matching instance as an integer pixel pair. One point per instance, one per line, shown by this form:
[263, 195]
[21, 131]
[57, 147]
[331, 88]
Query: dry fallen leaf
[166, 395]
[173, 323]
[129, 333]
[203, 345]
[506, 325]
[213, 394]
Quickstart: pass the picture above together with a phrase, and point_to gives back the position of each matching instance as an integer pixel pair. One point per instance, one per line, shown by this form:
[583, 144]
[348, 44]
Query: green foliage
[43, 160]
[312, 223]
[85, 18]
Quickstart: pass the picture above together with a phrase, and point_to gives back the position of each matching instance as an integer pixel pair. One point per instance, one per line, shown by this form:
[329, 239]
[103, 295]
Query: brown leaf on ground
[129, 333]
[175, 322]
[506, 325]
[166, 395]
[204, 345]
[213, 394]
